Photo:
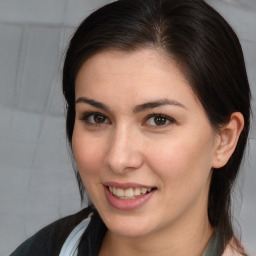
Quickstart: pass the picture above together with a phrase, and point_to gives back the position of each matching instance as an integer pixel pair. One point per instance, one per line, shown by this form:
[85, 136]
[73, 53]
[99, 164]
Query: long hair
[209, 55]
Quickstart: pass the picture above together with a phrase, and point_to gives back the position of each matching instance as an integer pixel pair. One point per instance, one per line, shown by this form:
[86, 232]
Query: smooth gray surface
[37, 184]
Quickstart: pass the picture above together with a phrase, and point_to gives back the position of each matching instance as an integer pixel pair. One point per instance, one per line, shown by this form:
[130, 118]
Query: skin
[175, 157]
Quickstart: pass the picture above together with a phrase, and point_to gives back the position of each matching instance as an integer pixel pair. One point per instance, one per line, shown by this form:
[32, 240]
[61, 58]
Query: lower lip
[127, 204]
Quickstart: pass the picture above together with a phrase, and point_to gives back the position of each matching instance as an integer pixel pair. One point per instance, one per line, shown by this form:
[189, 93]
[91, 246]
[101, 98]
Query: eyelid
[84, 117]
[168, 118]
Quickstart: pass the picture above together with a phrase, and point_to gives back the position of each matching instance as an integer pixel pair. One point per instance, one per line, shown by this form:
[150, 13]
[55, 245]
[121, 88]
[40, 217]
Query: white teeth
[129, 193]
[137, 191]
[144, 190]
[119, 192]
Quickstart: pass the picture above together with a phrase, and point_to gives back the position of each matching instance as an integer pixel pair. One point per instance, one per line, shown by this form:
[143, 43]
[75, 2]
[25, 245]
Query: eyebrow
[138, 108]
[157, 103]
[91, 102]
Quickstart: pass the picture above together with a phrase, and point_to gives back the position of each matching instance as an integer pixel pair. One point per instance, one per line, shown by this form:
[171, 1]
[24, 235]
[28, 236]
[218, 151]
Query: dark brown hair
[209, 54]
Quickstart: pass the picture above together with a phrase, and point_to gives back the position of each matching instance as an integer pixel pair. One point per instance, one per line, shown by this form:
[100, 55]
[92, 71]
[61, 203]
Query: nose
[124, 151]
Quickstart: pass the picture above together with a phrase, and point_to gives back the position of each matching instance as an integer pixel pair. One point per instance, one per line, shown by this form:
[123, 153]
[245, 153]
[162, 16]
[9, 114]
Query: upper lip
[125, 185]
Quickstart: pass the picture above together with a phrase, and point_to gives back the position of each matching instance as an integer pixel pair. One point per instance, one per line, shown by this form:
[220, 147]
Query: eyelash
[168, 119]
[85, 117]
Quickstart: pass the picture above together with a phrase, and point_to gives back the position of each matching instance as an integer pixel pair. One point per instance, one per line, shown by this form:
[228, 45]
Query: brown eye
[99, 119]
[94, 118]
[159, 120]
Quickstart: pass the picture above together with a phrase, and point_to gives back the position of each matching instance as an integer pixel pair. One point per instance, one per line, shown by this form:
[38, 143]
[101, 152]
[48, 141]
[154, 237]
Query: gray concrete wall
[37, 184]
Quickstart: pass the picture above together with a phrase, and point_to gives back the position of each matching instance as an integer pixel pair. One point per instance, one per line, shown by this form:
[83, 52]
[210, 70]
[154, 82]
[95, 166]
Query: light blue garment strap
[70, 247]
[212, 248]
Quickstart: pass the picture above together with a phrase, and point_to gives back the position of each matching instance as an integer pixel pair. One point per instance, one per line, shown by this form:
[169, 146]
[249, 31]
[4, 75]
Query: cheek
[182, 163]
[184, 173]
[87, 155]
[89, 161]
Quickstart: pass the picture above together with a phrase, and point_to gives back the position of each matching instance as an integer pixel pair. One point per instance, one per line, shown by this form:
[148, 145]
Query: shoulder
[229, 251]
[49, 240]
[233, 250]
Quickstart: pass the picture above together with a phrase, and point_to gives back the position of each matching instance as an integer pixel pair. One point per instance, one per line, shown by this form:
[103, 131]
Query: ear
[227, 140]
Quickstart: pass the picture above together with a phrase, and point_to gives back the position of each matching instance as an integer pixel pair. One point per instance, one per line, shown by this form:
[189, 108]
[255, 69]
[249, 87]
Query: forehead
[153, 57]
[144, 73]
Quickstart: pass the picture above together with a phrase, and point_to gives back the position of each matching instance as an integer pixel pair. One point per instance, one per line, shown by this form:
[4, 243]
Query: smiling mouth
[129, 193]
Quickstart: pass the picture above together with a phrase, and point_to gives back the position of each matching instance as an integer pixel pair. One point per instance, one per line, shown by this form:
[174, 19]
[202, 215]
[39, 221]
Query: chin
[128, 226]
[129, 232]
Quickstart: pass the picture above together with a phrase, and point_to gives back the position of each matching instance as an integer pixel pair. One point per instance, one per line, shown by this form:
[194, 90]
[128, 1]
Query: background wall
[37, 184]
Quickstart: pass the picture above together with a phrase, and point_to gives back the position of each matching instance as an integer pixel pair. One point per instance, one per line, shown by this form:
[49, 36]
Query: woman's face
[142, 143]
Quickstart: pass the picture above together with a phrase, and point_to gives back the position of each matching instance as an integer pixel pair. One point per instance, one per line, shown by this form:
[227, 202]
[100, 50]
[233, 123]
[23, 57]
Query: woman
[158, 114]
